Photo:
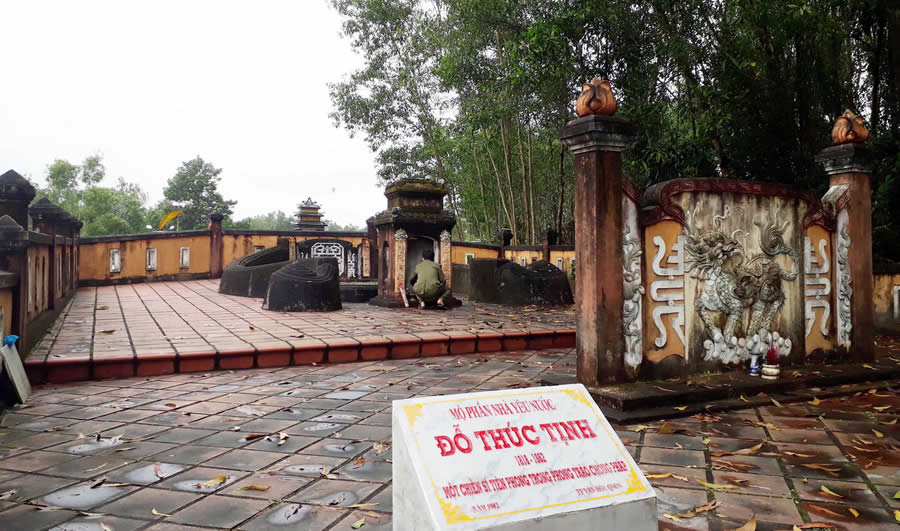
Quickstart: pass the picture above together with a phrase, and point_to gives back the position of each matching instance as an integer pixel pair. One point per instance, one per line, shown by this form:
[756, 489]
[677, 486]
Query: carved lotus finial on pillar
[596, 99]
[849, 128]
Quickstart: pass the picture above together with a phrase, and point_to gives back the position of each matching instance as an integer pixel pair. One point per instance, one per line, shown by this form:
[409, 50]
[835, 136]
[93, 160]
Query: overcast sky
[149, 85]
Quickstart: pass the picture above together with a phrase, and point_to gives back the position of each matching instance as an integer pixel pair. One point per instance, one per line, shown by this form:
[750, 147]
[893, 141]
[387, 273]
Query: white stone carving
[817, 288]
[844, 287]
[633, 288]
[400, 234]
[351, 264]
[324, 249]
[674, 286]
[445, 236]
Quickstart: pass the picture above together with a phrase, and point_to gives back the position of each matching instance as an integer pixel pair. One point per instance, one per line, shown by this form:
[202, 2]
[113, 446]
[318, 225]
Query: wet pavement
[308, 447]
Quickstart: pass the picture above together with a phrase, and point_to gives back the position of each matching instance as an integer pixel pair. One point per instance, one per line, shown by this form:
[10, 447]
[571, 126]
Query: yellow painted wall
[240, 245]
[38, 281]
[6, 302]
[94, 257]
[458, 253]
[883, 299]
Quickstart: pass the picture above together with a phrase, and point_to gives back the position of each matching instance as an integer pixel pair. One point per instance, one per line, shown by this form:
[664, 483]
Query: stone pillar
[597, 143]
[447, 258]
[16, 194]
[549, 238]
[400, 238]
[849, 165]
[216, 246]
[13, 257]
[365, 259]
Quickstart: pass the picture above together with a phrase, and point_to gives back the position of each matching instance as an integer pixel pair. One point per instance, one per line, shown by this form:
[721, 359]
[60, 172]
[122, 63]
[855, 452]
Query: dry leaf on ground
[157, 513]
[749, 526]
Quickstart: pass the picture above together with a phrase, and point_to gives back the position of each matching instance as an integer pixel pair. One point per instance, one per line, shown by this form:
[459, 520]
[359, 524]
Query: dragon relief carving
[734, 282]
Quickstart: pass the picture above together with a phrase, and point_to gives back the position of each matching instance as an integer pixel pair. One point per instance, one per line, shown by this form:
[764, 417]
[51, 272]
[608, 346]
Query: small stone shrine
[415, 220]
[535, 459]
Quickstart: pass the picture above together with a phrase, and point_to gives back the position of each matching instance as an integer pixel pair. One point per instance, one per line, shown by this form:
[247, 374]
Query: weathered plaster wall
[94, 258]
[6, 303]
[885, 301]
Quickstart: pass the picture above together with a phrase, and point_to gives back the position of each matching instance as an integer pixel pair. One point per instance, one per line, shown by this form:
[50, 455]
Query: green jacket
[430, 282]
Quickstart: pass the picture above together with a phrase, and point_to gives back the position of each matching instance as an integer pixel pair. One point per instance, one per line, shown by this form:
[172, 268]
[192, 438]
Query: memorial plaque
[537, 458]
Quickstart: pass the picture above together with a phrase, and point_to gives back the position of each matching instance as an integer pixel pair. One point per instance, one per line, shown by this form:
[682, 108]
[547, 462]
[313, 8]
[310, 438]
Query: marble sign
[538, 458]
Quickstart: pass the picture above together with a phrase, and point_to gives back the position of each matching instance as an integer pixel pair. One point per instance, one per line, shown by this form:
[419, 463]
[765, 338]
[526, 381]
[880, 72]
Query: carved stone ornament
[445, 236]
[400, 234]
[596, 99]
[844, 287]
[849, 128]
[734, 282]
[634, 291]
[817, 285]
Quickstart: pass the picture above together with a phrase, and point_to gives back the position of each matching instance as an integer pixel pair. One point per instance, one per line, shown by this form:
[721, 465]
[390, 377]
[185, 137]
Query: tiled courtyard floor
[168, 327]
[171, 457]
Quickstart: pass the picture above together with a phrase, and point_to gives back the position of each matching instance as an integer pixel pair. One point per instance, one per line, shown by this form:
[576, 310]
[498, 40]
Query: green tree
[337, 227]
[103, 210]
[473, 93]
[275, 220]
[194, 188]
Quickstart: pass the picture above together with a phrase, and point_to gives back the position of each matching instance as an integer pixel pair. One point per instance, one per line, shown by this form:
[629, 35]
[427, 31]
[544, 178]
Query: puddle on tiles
[95, 446]
[335, 417]
[224, 388]
[345, 449]
[153, 473]
[322, 426]
[338, 499]
[307, 469]
[290, 514]
[82, 496]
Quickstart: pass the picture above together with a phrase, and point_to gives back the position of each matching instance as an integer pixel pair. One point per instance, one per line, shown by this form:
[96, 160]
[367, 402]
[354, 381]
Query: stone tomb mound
[506, 282]
[306, 285]
[248, 276]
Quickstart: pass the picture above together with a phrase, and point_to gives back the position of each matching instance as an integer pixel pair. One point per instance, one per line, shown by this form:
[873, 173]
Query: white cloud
[242, 84]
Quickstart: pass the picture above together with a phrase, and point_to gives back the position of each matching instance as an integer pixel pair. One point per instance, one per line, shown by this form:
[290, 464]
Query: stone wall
[886, 298]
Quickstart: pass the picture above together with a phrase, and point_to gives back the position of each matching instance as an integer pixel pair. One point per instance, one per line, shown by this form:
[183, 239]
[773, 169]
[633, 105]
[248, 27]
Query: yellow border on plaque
[453, 514]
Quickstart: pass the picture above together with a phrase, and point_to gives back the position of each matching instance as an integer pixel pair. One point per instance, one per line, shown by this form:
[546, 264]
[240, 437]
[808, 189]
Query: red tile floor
[177, 327]
[170, 457]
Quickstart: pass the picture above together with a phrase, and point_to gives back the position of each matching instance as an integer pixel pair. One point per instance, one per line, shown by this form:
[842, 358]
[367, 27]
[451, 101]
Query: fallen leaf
[125, 449]
[641, 427]
[213, 482]
[253, 436]
[700, 509]
[897, 515]
[96, 468]
[680, 447]
[854, 512]
[664, 389]
[105, 527]
[715, 486]
[236, 428]
[831, 470]
[734, 467]
[829, 492]
[891, 423]
[753, 450]
[749, 526]
[669, 474]
[744, 399]
[170, 404]
[815, 401]
[878, 434]
[664, 429]
[825, 510]
[776, 402]
[7, 494]
[706, 441]
[262, 488]
[157, 513]
[797, 454]
[359, 523]
[680, 408]
[107, 331]
[671, 517]
[815, 525]
[361, 505]
[866, 365]
[881, 408]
